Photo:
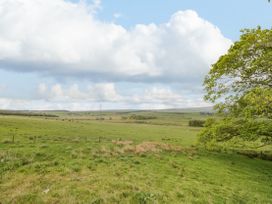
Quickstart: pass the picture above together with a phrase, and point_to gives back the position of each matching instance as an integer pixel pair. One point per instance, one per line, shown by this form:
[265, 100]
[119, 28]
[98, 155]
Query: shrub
[196, 123]
[232, 132]
[141, 117]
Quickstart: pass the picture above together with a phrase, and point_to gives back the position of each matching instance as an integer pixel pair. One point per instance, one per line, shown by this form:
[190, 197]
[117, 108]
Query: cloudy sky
[76, 55]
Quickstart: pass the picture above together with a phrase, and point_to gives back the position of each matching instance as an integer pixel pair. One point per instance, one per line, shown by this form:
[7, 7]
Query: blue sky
[141, 54]
[230, 16]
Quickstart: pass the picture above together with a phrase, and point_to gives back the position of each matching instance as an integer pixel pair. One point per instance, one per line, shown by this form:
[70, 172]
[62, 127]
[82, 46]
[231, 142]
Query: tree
[240, 84]
[255, 103]
[245, 72]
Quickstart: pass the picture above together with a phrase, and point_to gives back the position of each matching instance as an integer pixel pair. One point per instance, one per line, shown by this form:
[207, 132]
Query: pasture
[117, 157]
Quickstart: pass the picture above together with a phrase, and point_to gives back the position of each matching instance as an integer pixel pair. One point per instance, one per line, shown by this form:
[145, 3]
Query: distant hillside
[56, 113]
[26, 113]
[189, 110]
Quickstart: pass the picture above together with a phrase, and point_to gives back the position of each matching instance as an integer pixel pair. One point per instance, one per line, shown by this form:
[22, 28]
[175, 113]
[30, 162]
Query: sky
[120, 54]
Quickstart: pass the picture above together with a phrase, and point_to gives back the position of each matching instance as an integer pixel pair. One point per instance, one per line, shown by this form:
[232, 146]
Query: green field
[88, 157]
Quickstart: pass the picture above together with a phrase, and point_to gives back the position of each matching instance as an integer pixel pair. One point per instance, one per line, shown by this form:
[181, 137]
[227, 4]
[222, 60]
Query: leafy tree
[240, 83]
[243, 74]
[255, 103]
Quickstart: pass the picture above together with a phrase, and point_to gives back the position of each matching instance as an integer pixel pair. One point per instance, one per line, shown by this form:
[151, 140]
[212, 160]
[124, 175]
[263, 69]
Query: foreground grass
[88, 161]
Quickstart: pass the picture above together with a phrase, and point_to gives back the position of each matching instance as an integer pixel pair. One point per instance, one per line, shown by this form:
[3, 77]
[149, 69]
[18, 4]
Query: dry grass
[127, 142]
[146, 147]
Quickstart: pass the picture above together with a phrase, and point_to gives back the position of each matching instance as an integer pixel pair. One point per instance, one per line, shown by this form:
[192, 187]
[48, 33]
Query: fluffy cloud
[57, 37]
[101, 92]
[19, 104]
[152, 97]
[161, 97]
[67, 42]
[75, 97]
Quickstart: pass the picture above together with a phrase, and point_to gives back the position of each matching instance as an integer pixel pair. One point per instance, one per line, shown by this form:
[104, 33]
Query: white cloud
[61, 39]
[18, 104]
[6, 103]
[57, 37]
[161, 94]
[97, 92]
[152, 97]
[104, 91]
[161, 97]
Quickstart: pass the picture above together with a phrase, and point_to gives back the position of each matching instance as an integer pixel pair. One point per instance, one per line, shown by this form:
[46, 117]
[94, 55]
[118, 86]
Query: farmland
[121, 157]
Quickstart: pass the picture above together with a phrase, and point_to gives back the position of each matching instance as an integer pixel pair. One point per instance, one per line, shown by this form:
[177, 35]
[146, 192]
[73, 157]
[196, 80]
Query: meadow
[121, 157]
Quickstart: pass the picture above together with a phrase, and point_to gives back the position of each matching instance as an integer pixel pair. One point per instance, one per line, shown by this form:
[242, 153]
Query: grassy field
[110, 158]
